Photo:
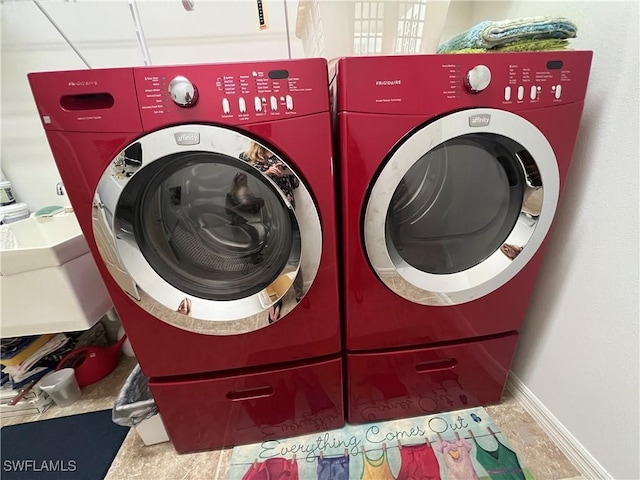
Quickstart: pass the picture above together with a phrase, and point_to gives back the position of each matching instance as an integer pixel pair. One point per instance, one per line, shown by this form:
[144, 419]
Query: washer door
[200, 238]
[460, 206]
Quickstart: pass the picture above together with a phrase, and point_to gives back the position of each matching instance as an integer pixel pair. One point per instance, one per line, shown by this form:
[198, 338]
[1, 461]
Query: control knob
[183, 92]
[477, 79]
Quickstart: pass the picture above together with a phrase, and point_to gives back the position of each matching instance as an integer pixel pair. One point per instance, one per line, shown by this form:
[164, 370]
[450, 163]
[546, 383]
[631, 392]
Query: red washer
[451, 170]
[195, 242]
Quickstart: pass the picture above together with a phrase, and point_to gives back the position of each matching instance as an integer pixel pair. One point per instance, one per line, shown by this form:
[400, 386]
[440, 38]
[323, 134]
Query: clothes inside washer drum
[225, 259]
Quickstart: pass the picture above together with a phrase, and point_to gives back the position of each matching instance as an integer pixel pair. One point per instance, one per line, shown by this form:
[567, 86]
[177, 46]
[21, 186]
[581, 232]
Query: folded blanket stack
[28, 363]
[522, 35]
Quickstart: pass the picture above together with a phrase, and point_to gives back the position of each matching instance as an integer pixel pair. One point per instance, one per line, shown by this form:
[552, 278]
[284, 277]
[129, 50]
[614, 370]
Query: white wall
[579, 349]
[216, 31]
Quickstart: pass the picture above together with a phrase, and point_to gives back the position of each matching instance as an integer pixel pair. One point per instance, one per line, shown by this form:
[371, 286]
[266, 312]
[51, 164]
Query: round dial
[477, 79]
[183, 92]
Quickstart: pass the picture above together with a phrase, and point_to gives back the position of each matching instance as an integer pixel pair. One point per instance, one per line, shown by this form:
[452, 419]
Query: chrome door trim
[529, 232]
[148, 289]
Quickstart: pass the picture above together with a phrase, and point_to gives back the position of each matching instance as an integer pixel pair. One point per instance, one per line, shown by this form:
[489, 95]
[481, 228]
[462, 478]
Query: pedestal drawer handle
[435, 365]
[250, 394]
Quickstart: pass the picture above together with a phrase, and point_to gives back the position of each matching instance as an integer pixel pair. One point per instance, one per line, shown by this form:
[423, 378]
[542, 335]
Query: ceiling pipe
[137, 26]
[66, 39]
[286, 25]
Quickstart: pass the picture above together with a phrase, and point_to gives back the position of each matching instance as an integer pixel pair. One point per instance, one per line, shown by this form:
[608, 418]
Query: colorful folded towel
[534, 45]
[523, 46]
[490, 34]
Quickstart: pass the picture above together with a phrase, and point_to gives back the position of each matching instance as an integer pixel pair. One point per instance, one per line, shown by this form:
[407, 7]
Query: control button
[183, 92]
[289, 101]
[507, 93]
[558, 91]
[257, 104]
[520, 92]
[477, 79]
[533, 94]
[225, 106]
[242, 105]
[274, 103]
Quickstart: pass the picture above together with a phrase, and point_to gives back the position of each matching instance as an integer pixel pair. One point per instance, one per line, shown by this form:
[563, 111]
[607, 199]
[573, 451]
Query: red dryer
[197, 245]
[451, 171]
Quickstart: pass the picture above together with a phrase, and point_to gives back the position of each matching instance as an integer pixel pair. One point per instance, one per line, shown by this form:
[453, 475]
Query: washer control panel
[233, 93]
[135, 99]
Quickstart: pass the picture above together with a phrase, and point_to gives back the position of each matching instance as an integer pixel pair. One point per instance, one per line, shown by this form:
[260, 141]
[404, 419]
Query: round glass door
[203, 236]
[209, 225]
[457, 204]
[458, 209]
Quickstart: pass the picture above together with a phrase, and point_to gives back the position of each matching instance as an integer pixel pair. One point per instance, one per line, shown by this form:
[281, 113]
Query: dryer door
[460, 206]
[202, 237]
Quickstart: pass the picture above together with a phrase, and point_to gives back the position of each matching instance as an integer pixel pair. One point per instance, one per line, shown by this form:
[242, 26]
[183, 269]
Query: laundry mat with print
[461, 445]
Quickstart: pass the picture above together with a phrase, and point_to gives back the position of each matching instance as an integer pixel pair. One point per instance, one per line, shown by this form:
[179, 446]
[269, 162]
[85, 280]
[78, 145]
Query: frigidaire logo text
[187, 138]
[82, 83]
[480, 120]
[388, 82]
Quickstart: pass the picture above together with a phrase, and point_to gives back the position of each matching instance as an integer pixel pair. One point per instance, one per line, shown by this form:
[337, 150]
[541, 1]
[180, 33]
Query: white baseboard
[588, 466]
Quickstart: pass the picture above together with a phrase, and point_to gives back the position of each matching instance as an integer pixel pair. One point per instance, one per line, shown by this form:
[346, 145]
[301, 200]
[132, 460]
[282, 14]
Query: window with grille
[313, 36]
[411, 19]
[368, 28]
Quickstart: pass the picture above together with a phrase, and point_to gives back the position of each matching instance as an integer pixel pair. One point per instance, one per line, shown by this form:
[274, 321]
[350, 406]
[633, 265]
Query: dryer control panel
[428, 84]
[523, 83]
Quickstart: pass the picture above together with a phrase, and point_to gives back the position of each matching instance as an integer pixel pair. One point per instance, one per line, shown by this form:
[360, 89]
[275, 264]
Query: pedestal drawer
[223, 411]
[407, 383]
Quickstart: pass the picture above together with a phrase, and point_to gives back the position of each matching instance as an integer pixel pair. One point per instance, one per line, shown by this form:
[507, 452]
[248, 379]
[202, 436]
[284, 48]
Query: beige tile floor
[137, 461]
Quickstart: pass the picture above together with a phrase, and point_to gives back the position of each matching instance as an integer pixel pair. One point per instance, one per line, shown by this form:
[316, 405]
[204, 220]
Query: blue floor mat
[75, 447]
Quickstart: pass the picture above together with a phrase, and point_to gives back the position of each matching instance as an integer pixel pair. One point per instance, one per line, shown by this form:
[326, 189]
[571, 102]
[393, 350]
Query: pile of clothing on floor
[25, 360]
[530, 34]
